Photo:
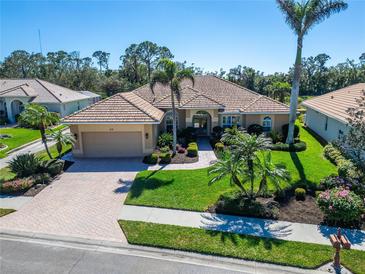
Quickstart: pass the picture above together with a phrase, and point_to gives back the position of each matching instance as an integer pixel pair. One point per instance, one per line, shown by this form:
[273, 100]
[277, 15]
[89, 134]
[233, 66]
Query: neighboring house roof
[23, 90]
[89, 93]
[336, 103]
[124, 107]
[207, 89]
[42, 91]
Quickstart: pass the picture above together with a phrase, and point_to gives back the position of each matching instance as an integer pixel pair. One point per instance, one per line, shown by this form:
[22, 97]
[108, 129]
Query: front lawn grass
[188, 189]
[290, 253]
[20, 136]
[5, 211]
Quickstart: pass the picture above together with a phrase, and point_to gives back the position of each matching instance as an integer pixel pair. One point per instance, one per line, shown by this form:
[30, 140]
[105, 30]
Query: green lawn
[5, 211]
[20, 136]
[6, 174]
[188, 189]
[238, 246]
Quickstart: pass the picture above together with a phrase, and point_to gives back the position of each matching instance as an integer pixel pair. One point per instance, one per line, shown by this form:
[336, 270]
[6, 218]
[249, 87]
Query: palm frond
[159, 76]
[293, 13]
[186, 74]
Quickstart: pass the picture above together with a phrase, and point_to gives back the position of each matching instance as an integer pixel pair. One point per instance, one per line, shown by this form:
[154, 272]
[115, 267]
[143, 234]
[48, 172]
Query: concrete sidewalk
[306, 233]
[206, 158]
[13, 202]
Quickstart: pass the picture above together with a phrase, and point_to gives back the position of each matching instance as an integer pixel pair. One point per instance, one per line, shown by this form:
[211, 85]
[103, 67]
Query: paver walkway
[306, 233]
[84, 202]
[13, 202]
[206, 158]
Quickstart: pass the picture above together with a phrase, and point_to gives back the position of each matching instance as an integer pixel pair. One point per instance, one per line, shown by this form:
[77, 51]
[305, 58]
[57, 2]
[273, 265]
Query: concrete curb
[152, 252]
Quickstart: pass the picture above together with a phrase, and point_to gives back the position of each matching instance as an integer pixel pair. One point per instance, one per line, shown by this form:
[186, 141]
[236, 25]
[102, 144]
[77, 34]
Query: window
[267, 124]
[169, 121]
[326, 124]
[231, 120]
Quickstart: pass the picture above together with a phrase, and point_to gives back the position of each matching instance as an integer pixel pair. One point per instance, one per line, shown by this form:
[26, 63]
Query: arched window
[267, 124]
[169, 121]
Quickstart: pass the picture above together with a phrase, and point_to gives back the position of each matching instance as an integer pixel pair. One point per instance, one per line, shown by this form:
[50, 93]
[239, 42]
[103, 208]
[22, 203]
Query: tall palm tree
[301, 17]
[62, 139]
[169, 74]
[39, 117]
[270, 173]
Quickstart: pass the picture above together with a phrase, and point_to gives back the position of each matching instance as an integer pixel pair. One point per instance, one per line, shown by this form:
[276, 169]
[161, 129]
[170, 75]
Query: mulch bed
[183, 158]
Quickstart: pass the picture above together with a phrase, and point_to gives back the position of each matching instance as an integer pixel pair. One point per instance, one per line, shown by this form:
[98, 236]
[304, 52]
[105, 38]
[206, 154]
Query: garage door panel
[112, 144]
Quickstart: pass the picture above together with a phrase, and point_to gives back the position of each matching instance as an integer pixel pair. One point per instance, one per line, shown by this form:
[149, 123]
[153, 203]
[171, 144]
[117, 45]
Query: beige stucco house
[128, 124]
[15, 93]
[327, 114]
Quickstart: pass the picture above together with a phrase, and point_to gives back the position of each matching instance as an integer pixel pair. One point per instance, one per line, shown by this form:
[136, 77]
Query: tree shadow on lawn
[147, 183]
[233, 227]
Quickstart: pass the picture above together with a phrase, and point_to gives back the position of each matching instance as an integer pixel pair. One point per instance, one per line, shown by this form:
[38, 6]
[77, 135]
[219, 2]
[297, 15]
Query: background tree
[301, 17]
[38, 117]
[278, 90]
[102, 58]
[170, 75]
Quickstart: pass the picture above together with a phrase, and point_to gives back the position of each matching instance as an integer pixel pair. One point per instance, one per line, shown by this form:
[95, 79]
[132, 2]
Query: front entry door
[200, 123]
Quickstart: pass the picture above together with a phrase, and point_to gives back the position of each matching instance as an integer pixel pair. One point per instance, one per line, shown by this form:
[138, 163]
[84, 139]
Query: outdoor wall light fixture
[146, 135]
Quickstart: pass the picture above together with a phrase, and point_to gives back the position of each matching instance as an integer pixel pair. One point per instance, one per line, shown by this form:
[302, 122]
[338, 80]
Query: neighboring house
[128, 124]
[15, 93]
[327, 114]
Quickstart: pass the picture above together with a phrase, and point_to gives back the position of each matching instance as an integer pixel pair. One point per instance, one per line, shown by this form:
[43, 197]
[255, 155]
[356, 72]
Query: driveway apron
[83, 202]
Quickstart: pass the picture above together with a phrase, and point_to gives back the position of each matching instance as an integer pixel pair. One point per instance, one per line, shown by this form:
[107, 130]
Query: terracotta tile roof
[43, 91]
[334, 104]
[124, 107]
[233, 97]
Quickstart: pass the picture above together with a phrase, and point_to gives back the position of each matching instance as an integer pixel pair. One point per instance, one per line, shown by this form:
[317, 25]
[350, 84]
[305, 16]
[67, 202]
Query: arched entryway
[16, 107]
[202, 122]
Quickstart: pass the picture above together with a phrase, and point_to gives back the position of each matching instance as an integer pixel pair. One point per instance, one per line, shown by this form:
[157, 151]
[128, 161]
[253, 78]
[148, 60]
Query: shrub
[53, 166]
[41, 178]
[150, 159]
[165, 158]
[296, 147]
[333, 154]
[192, 151]
[165, 139]
[276, 137]
[181, 150]
[300, 194]
[219, 147]
[193, 144]
[285, 129]
[217, 132]
[3, 121]
[317, 193]
[165, 149]
[17, 185]
[255, 129]
[24, 165]
[340, 206]
[334, 181]
[188, 134]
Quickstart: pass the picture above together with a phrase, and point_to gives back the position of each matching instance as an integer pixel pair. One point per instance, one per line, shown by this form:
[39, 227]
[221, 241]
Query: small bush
[255, 129]
[188, 134]
[276, 137]
[219, 147]
[285, 129]
[317, 193]
[334, 181]
[25, 165]
[165, 149]
[165, 158]
[165, 139]
[41, 178]
[151, 159]
[296, 147]
[333, 154]
[192, 151]
[217, 132]
[17, 185]
[53, 166]
[300, 194]
[193, 144]
[341, 206]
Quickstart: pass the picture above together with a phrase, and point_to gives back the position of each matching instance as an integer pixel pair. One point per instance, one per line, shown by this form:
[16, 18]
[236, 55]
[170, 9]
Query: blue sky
[211, 34]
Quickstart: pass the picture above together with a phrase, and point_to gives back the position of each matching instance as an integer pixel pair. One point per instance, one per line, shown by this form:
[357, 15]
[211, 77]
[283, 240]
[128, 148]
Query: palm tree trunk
[174, 128]
[295, 91]
[44, 141]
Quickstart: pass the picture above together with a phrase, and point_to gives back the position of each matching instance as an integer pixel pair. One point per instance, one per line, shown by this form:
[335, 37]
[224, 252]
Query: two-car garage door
[112, 144]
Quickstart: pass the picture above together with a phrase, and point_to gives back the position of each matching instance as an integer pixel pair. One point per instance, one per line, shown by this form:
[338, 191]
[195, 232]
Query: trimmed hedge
[192, 149]
[165, 158]
[151, 159]
[219, 146]
[300, 193]
[296, 147]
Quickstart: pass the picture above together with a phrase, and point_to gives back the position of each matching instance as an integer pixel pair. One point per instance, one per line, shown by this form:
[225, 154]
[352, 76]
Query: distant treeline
[139, 61]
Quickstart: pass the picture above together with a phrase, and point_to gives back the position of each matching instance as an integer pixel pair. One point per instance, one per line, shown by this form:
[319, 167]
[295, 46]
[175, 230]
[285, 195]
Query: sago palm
[301, 16]
[169, 74]
[39, 117]
[270, 173]
[62, 139]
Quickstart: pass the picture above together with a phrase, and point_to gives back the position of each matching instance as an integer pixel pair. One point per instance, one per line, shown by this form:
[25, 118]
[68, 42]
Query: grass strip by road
[282, 252]
[5, 211]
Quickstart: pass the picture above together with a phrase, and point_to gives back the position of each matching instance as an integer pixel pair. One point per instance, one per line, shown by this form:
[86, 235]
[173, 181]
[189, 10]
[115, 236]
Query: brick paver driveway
[84, 202]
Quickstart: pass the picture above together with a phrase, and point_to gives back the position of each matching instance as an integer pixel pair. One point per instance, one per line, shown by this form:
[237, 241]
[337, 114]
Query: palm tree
[172, 76]
[301, 17]
[38, 117]
[62, 139]
[269, 172]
